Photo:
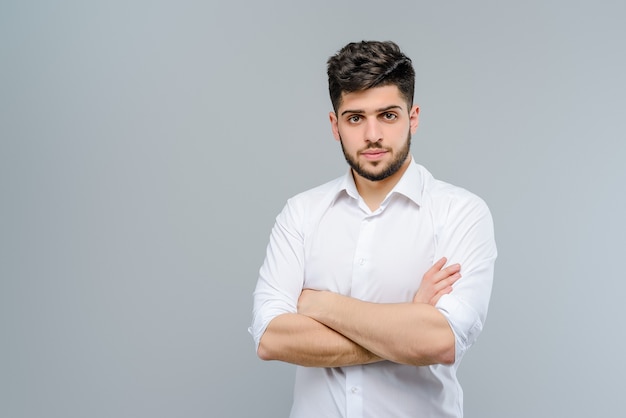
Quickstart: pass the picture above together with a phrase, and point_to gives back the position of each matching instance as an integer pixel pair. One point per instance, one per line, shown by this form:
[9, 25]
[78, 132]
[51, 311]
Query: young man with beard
[375, 284]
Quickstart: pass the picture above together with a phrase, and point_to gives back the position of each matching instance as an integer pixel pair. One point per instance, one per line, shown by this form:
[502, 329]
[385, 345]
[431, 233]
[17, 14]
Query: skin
[374, 128]
[331, 330]
[406, 333]
[378, 331]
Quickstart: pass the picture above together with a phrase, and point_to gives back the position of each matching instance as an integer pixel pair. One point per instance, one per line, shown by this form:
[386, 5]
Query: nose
[373, 133]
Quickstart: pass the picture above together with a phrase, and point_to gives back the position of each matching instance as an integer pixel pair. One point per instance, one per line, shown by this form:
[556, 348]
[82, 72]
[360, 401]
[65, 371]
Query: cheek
[401, 133]
[349, 140]
[352, 132]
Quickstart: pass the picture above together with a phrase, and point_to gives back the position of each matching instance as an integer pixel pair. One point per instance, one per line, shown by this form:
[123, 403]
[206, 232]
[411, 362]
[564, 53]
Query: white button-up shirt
[328, 239]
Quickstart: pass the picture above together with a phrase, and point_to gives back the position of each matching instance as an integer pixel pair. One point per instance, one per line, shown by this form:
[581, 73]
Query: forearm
[301, 340]
[407, 333]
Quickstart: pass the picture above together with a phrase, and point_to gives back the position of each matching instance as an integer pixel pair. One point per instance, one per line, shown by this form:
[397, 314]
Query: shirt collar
[411, 184]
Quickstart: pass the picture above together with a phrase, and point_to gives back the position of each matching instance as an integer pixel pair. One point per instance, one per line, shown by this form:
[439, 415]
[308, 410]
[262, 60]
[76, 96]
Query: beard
[391, 168]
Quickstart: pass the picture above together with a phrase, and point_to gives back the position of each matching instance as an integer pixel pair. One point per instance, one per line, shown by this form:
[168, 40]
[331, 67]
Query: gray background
[146, 147]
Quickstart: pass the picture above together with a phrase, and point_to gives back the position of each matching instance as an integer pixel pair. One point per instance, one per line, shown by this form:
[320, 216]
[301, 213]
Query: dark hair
[362, 65]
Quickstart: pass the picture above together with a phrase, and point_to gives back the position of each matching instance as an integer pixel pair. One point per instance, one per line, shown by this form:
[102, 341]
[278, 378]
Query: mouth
[374, 154]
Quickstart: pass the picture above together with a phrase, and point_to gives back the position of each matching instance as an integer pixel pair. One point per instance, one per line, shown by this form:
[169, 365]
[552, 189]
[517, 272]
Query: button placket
[361, 267]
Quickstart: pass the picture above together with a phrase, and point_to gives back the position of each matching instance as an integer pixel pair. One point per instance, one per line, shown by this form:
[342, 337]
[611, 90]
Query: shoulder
[306, 204]
[326, 191]
[448, 200]
[461, 219]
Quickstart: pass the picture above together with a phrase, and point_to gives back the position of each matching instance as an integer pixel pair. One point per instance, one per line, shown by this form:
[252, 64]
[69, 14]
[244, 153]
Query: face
[374, 128]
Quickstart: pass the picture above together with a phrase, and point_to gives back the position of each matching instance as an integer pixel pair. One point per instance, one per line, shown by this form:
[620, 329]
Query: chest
[375, 257]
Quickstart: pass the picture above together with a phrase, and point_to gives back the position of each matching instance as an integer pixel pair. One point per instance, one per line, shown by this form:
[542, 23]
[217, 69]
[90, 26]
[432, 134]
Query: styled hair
[362, 65]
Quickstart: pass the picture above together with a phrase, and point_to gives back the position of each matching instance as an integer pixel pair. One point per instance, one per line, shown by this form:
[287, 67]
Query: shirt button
[354, 389]
[361, 261]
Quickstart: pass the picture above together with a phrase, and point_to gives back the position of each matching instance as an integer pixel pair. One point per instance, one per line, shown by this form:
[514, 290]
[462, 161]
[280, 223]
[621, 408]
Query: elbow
[439, 351]
[445, 351]
[447, 356]
[435, 355]
[264, 352]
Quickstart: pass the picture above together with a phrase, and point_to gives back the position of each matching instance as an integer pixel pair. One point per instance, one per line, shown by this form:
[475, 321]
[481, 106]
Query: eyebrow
[382, 109]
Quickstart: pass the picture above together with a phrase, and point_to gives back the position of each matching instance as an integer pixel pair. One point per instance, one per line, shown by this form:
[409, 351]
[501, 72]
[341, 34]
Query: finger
[438, 295]
[453, 268]
[437, 266]
[447, 272]
[445, 290]
[433, 301]
[444, 274]
[447, 281]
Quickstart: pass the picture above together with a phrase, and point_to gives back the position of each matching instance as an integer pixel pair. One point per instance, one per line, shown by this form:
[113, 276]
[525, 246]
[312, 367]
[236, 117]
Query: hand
[437, 281]
[308, 301]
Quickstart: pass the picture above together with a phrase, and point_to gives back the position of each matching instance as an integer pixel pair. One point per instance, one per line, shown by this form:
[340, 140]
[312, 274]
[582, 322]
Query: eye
[354, 119]
[389, 116]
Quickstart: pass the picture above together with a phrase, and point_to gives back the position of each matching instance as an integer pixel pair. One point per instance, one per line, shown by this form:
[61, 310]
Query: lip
[374, 154]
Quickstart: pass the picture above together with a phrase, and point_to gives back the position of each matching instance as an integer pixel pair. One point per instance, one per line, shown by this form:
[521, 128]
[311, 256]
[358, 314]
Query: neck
[374, 192]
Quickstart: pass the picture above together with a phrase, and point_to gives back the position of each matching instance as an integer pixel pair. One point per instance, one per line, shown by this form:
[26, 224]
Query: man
[361, 286]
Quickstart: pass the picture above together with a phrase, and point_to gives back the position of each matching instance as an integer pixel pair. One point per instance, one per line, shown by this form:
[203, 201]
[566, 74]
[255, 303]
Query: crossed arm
[332, 330]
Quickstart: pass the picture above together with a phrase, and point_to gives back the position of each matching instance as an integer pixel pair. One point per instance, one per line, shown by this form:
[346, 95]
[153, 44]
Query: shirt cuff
[464, 321]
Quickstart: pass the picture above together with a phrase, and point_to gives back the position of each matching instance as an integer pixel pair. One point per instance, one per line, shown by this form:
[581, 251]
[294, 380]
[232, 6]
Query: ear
[334, 125]
[414, 118]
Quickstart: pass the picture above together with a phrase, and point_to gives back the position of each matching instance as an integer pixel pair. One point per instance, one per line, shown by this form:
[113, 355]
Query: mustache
[373, 145]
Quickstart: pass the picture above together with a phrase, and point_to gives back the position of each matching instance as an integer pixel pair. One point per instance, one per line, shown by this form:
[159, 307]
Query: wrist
[327, 306]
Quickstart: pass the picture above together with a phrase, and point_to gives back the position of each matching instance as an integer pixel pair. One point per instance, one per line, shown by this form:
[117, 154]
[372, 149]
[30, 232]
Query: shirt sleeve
[281, 276]
[467, 238]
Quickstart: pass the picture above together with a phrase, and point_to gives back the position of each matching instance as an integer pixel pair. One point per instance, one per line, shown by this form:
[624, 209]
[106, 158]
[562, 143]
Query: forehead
[372, 99]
